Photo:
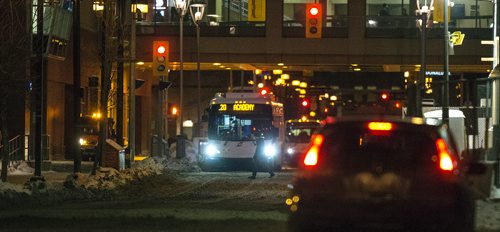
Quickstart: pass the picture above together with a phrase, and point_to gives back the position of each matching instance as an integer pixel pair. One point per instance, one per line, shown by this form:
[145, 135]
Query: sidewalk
[62, 166]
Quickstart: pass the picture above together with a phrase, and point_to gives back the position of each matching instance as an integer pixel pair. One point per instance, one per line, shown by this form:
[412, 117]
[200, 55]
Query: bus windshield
[233, 125]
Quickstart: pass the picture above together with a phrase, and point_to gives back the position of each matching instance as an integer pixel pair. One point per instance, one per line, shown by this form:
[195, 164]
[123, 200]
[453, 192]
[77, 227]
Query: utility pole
[77, 159]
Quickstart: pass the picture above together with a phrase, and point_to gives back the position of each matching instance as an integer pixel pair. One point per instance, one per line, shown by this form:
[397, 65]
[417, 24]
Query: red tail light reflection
[311, 158]
[446, 162]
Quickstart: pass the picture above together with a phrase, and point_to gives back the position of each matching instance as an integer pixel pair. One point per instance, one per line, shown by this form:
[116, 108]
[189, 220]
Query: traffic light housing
[314, 20]
[160, 58]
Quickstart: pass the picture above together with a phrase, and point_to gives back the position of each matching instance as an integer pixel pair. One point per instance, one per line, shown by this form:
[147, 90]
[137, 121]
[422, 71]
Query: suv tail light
[311, 158]
[446, 162]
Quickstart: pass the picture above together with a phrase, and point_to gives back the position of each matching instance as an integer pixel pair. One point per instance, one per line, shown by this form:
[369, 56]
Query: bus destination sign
[237, 107]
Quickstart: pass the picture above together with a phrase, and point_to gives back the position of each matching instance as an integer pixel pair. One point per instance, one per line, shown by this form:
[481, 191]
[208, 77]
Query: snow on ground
[102, 185]
[110, 178]
[20, 168]
[188, 163]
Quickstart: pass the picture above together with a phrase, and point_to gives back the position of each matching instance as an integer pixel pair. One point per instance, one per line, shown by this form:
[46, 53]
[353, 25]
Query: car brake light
[311, 158]
[380, 126]
[446, 162]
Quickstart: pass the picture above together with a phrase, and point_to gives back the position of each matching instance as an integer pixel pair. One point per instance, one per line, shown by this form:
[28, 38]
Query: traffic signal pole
[131, 108]
[119, 74]
[421, 77]
[161, 51]
[446, 92]
[39, 95]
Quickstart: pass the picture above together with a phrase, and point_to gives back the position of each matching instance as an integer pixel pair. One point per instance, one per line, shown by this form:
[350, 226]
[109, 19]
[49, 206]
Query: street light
[181, 6]
[424, 10]
[197, 11]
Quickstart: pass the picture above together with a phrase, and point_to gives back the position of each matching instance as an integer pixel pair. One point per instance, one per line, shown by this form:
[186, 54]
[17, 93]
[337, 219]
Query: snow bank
[103, 185]
[19, 168]
[189, 163]
[8, 190]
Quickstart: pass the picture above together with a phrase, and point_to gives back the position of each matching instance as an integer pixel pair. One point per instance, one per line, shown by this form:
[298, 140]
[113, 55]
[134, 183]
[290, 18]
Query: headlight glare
[211, 150]
[270, 150]
[290, 150]
[82, 141]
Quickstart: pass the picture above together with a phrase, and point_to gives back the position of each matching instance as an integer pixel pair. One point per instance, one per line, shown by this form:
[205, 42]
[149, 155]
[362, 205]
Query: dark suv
[384, 174]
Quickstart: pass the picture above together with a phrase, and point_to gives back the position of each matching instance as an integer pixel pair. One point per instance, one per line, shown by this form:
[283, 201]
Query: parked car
[89, 137]
[382, 173]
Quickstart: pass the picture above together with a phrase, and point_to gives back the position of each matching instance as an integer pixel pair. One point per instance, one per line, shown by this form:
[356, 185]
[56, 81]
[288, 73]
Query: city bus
[298, 137]
[235, 121]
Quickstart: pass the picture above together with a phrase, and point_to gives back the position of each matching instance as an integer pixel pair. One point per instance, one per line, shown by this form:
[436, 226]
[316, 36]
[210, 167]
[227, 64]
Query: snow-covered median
[110, 178]
[103, 185]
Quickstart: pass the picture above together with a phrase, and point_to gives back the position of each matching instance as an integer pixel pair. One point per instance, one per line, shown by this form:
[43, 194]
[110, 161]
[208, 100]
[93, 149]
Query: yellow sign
[256, 10]
[457, 38]
[243, 107]
[439, 11]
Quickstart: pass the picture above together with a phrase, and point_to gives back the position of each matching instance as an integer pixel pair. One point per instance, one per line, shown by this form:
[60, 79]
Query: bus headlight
[211, 150]
[82, 141]
[269, 150]
[290, 151]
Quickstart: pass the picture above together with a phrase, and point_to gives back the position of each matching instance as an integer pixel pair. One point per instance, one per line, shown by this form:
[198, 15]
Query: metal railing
[14, 149]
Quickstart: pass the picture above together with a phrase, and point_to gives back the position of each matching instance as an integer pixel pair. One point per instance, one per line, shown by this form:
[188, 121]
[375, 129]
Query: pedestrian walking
[261, 161]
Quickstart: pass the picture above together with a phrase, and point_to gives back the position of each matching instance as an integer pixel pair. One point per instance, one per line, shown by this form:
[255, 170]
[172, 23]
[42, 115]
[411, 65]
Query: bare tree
[14, 55]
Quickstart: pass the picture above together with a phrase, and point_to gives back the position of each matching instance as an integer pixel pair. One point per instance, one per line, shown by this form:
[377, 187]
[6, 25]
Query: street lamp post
[424, 11]
[446, 91]
[197, 11]
[181, 6]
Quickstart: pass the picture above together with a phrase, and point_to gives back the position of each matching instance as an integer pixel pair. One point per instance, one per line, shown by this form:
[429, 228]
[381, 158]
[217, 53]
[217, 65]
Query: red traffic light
[305, 103]
[314, 11]
[314, 21]
[161, 49]
[384, 96]
[160, 58]
[263, 92]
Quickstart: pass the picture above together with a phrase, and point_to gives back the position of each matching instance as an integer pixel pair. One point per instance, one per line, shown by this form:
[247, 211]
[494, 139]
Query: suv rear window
[353, 149]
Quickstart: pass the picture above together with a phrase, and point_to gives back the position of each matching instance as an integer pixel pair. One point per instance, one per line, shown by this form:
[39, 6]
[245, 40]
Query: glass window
[389, 14]
[387, 8]
[402, 14]
[471, 14]
[217, 13]
[353, 149]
